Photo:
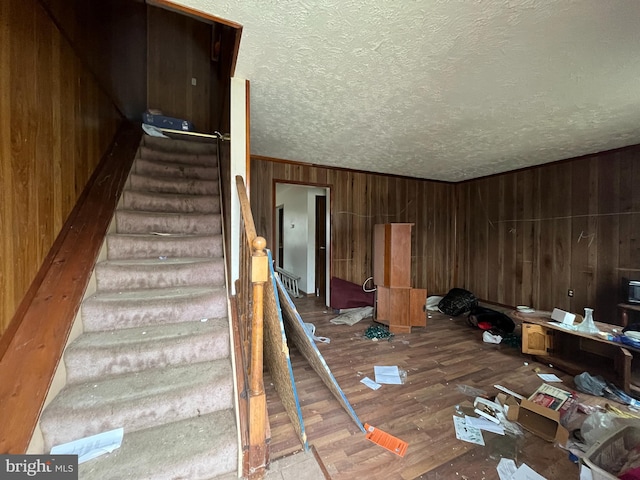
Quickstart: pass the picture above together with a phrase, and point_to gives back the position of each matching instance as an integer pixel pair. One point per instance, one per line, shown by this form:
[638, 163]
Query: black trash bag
[499, 321]
[457, 302]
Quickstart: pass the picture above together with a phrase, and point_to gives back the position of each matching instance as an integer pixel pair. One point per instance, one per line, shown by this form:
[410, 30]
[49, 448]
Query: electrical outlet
[194, 81]
[570, 292]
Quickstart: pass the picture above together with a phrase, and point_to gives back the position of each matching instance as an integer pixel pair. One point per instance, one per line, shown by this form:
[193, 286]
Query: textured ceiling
[443, 90]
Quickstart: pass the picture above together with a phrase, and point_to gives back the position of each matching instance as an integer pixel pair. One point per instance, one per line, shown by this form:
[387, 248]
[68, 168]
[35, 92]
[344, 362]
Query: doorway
[302, 234]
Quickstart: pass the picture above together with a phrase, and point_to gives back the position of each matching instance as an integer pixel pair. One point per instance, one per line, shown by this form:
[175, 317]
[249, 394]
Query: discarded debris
[375, 332]
[91, 447]
[385, 440]
[370, 383]
[467, 433]
[390, 375]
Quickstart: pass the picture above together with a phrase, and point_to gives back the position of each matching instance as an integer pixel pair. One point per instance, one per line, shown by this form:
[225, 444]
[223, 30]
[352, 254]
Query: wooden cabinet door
[382, 304]
[536, 339]
[418, 307]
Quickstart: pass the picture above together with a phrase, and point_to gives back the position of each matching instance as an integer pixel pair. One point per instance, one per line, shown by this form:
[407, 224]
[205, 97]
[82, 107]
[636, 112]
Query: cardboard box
[539, 420]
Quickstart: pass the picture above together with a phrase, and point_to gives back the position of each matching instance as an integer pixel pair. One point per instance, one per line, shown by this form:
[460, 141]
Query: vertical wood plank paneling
[491, 205]
[569, 225]
[560, 273]
[56, 122]
[6, 192]
[519, 238]
[360, 200]
[608, 194]
[582, 269]
[181, 52]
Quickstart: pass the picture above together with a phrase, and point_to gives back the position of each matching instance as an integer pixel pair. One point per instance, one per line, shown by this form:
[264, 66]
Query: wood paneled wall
[180, 49]
[520, 238]
[359, 201]
[55, 124]
[110, 37]
[526, 238]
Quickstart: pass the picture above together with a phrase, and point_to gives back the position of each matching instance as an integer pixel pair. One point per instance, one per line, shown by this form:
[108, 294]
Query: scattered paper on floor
[525, 472]
[387, 375]
[91, 447]
[466, 432]
[484, 424]
[549, 377]
[370, 383]
[506, 468]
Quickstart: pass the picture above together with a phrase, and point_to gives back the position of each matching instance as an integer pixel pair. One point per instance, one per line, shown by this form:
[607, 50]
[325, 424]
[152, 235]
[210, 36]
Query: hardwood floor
[437, 358]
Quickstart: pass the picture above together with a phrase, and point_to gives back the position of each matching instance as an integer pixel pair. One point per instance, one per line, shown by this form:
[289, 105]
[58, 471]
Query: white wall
[299, 230]
[238, 167]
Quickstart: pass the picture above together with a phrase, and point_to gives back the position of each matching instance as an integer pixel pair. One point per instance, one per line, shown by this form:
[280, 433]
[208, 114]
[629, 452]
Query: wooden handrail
[254, 273]
[44, 319]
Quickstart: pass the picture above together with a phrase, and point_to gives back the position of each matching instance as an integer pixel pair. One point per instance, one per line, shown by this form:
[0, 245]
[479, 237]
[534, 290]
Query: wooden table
[624, 311]
[576, 352]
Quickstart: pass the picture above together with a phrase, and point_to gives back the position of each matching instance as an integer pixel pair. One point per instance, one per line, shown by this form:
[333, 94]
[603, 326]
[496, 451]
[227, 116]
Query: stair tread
[153, 294]
[139, 385]
[100, 354]
[127, 337]
[138, 400]
[152, 262]
[181, 180]
[158, 236]
[151, 213]
[197, 449]
[151, 166]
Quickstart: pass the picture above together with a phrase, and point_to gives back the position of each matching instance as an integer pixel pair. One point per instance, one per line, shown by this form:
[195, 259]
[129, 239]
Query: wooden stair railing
[32, 346]
[253, 273]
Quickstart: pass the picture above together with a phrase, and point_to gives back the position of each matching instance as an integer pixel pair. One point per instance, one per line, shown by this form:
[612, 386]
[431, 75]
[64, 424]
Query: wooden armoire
[397, 304]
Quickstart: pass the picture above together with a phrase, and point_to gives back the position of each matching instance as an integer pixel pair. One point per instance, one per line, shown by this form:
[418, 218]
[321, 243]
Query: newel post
[258, 453]
[259, 275]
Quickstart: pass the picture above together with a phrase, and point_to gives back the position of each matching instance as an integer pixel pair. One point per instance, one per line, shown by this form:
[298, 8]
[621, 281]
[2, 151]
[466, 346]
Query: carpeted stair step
[170, 203]
[137, 400]
[196, 449]
[134, 221]
[204, 159]
[97, 355]
[158, 168]
[139, 308]
[188, 186]
[121, 275]
[125, 246]
[178, 145]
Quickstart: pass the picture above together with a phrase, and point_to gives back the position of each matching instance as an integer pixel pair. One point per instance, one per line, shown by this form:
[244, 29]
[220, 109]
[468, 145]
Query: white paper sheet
[506, 468]
[484, 424]
[370, 383]
[466, 432]
[387, 375]
[525, 472]
[91, 447]
[549, 377]
[585, 473]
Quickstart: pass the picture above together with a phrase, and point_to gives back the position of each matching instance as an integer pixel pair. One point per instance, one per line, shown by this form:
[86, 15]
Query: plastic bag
[597, 426]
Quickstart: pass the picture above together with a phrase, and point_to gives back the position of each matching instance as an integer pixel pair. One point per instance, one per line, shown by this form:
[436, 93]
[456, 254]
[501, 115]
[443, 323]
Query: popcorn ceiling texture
[437, 89]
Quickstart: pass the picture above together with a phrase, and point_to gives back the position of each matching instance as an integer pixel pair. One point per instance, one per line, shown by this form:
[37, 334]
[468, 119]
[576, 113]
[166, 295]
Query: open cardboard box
[539, 420]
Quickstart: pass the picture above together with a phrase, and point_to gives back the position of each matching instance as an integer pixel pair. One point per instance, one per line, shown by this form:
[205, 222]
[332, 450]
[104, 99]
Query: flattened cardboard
[539, 420]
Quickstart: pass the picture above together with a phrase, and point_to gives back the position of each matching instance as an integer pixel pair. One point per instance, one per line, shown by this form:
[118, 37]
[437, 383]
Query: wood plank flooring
[437, 358]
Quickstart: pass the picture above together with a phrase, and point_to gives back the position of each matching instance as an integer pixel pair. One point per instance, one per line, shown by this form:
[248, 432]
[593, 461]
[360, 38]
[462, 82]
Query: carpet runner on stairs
[154, 357]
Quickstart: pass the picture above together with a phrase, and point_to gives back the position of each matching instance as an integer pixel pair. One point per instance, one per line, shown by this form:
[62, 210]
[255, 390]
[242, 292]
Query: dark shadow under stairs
[154, 355]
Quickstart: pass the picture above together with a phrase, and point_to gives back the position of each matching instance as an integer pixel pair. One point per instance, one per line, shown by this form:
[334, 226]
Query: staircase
[154, 356]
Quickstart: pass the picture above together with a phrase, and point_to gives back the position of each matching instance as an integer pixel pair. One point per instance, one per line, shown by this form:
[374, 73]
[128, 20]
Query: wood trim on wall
[45, 318]
[205, 17]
